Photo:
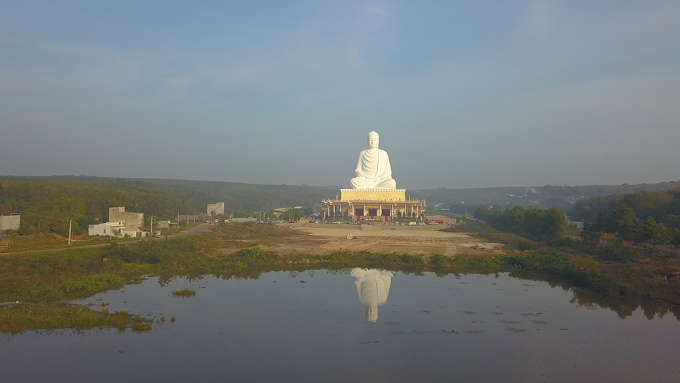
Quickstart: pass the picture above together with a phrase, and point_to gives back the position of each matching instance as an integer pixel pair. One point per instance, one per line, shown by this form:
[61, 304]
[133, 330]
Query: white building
[10, 222]
[107, 229]
[121, 224]
[217, 208]
[132, 221]
[115, 229]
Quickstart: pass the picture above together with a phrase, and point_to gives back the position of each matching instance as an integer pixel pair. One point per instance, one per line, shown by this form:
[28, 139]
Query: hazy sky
[463, 94]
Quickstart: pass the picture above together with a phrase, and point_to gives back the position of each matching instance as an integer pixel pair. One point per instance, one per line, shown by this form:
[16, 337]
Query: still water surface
[354, 326]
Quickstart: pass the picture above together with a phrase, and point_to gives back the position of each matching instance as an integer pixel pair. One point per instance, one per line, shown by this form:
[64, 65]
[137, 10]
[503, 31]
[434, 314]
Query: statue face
[373, 140]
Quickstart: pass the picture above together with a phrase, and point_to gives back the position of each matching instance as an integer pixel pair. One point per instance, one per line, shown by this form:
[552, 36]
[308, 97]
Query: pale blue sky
[463, 94]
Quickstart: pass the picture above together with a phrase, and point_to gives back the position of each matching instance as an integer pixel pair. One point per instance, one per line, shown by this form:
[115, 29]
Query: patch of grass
[32, 317]
[66, 288]
[554, 263]
[41, 241]
[184, 293]
[140, 326]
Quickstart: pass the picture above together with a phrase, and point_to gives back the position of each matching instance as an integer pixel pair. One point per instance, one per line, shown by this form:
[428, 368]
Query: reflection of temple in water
[372, 286]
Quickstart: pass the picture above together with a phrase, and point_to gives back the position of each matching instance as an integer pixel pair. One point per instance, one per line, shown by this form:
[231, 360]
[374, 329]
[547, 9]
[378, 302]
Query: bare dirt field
[428, 240]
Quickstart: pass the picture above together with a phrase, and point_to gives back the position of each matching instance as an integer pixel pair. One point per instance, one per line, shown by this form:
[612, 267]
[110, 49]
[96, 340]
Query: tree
[626, 223]
[676, 237]
[590, 234]
[655, 232]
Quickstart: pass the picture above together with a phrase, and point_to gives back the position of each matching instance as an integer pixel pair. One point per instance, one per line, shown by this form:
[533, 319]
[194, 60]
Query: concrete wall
[105, 229]
[243, 220]
[135, 233]
[161, 224]
[10, 222]
[217, 208]
[131, 220]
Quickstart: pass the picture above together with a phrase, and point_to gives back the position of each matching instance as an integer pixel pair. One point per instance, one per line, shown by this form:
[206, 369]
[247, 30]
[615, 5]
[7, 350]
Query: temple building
[372, 204]
[374, 195]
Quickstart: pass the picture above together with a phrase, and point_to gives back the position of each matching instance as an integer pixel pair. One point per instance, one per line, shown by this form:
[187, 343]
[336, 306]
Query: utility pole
[152, 225]
[69, 232]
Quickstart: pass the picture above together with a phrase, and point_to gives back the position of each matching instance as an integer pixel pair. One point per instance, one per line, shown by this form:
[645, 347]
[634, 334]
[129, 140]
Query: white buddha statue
[373, 170]
[373, 287]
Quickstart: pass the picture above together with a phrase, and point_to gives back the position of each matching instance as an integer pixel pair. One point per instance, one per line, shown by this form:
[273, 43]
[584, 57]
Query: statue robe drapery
[373, 171]
[373, 287]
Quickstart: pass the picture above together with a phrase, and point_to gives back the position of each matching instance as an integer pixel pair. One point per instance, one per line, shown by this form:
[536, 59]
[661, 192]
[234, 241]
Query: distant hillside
[48, 203]
[663, 206]
[189, 195]
[239, 196]
[194, 195]
[563, 197]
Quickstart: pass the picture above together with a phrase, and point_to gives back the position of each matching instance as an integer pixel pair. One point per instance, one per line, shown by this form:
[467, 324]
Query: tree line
[663, 206]
[535, 223]
[624, 223]
[48, 206]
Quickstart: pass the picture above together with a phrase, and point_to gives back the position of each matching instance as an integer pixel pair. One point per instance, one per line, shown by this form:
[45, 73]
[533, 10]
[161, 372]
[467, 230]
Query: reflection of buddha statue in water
[373, 170]
[373, 286]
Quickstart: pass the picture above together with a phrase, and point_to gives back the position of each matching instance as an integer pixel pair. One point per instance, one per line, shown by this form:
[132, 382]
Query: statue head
[372, 314]
[373, 140]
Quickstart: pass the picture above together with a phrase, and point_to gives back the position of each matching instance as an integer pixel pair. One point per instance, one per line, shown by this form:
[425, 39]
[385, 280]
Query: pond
[355, 325]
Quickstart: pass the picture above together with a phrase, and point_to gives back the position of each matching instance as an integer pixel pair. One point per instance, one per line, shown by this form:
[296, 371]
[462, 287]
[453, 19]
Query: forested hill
[563, 197]
[240, 196]
[194, 195]
[663, 206]
[260, 197]
[50, 202]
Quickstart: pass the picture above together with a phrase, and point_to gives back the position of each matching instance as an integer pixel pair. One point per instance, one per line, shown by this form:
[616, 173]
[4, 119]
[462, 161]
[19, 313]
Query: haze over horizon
[463, 95]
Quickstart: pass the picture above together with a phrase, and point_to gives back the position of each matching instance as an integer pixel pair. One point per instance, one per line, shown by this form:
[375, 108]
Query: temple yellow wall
[373, 195]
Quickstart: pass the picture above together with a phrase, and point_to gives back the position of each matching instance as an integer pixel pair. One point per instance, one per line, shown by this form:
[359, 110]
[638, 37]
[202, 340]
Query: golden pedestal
[378, 195]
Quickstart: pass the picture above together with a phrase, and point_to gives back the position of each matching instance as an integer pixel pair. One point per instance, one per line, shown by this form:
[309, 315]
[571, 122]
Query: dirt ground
[427, 239]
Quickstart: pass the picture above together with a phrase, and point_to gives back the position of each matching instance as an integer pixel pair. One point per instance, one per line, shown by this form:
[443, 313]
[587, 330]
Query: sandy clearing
[427, 240]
